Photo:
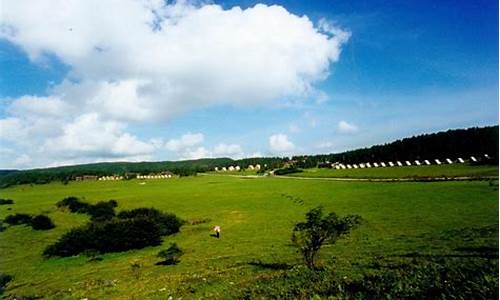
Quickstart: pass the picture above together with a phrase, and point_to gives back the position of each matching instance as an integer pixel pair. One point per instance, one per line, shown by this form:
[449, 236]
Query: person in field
[217, 230]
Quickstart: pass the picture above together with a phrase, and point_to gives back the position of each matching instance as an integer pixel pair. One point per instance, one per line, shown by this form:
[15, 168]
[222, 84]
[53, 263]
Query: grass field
[256, 216]
[455, 170]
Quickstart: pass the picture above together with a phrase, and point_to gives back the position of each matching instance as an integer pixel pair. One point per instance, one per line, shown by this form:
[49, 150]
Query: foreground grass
[256, 216]
[455, 170]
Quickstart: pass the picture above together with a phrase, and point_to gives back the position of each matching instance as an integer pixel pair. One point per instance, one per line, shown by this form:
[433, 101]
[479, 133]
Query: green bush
[113, 235]
[18, 219]
[6, 201]
[4, 279]
[42, 222]
[74, 205]
[168, 222]
[171, 255]
[102, 210]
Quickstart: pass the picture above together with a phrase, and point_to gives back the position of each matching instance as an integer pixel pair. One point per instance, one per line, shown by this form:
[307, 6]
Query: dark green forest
[447, 144]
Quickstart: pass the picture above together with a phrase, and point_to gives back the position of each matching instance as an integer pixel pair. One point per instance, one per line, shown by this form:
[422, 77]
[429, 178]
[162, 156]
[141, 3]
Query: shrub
[107, 236]
[6, 201]
[309, 236]
[171, 255]
[18, 219]
[167, 222]
[42, 222]
[287, 171]
[74, 205]
[4, 279]
[102, 210]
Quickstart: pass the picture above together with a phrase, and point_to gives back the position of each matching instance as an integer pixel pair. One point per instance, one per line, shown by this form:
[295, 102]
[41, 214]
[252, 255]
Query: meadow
[256, 216]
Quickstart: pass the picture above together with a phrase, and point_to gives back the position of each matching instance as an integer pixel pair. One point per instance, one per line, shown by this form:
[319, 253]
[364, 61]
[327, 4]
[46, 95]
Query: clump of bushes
[39, 222]
[100, 210]
[133, 229]
[18, 219]
[4, 279]
[285, 171]
[6, 201]
[171, 255]
[42, 222]
[74, 205]
[168, 223]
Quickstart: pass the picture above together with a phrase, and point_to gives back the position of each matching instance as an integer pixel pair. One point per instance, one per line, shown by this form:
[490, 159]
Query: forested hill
[449, 144]
[446, 144]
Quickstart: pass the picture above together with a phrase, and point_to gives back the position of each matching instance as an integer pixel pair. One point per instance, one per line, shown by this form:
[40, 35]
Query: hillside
[452, 143]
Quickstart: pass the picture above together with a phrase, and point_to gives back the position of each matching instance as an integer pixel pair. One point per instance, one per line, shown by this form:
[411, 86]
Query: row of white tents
[236, 168]
[158, 176]
[400, 164]
[110, 178]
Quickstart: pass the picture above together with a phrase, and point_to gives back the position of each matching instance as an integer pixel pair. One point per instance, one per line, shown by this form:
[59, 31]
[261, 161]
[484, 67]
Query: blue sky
[359, 73]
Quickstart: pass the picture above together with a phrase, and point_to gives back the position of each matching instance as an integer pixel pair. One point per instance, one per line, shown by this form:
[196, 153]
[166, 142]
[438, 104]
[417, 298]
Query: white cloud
[194, 56]
[344, 127]
[279, 143]
[88, 136]
[325, 145]
[153, 61]
[231, 150]
[186, 141]
[293, 128]
[189, 146]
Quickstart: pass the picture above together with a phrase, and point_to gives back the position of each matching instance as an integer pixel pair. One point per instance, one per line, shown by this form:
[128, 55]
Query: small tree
[171, 255]
[311, 235]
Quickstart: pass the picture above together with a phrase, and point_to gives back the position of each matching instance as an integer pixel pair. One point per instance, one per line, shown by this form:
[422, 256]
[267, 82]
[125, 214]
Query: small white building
[216, 169]
[473, 159]
[237, 168]
[391, 164]
[231, 168]
[368, 165]
[362, 166]
[355, 166]
[408, 163]
[417, 163]
[375, 165]
[342, 166]
[257, 167]
[251, 167]
[460, 160]
[449, 161]
[399, 163]
[349, 166]
[438, 162]
[382, 164]
[427, 162]
[337, 167]
[224, 169]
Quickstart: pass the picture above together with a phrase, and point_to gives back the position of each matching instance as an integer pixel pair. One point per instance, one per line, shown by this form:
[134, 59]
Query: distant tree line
[449, 144]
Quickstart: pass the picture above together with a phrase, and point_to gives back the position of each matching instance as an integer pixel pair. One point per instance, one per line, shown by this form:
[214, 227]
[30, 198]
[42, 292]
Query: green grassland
[454, 170]
[256, 216]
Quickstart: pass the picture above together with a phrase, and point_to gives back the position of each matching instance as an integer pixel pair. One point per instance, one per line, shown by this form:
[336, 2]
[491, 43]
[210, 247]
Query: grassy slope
[455, 170]
[256, 217]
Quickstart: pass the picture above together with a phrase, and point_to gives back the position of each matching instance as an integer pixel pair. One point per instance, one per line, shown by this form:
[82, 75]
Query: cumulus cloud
[344, 127]
[88, 136]
[189, 146]
[154, 60]
[279, 143]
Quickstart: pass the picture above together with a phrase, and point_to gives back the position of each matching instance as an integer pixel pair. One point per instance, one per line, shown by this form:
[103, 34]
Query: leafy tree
[311, 235]
[171, 255]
